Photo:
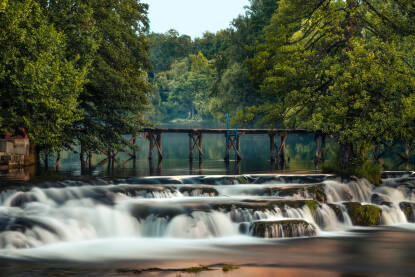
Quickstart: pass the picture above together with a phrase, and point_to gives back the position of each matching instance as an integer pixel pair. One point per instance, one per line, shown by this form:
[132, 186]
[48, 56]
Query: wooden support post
[151, 147]
[200, 147]
[134, 141]
[227, 154]
[159, 167]
[159, 146]
[282, 150]
[200, 169]
[150, 167]
[191, 166]
[272, 147]
[238, 168]
[191, 146]
[195, 141]
[317, 139]
[238, 148]
[317, 152]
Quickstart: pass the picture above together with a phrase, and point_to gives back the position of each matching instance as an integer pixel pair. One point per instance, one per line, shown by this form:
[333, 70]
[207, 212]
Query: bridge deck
[223, 131]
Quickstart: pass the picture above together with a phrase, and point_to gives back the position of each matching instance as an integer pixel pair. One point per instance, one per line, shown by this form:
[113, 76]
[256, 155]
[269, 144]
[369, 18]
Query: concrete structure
[14, 152]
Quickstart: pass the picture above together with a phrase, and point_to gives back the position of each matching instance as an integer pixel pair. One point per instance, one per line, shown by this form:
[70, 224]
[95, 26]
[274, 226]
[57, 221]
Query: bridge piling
[195, 141]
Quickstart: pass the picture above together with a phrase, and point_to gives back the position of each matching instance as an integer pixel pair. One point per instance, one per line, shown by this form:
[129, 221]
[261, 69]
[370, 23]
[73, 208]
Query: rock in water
[363, 215]
[409, 210]
[283, 229]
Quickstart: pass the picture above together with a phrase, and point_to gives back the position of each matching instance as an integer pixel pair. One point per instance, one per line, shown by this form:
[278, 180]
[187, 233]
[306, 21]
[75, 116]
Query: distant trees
[230, 88]
[345, 68]
[182, 92]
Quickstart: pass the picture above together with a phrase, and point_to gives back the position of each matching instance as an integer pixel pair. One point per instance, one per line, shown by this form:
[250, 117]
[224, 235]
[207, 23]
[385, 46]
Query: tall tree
[39, 84]
[117, 92]
[339, 67]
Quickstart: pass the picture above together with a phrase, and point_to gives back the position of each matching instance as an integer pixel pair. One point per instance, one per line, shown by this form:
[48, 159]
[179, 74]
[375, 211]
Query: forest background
[88, 72]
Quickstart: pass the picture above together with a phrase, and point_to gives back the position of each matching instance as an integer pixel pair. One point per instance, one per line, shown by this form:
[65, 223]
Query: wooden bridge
[232, 137]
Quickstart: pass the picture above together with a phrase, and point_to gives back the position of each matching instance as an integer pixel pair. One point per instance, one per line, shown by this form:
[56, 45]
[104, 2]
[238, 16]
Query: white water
[43, 217]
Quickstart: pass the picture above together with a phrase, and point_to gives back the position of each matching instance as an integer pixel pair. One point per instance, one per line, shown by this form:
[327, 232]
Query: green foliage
[342, 67]
[73, 71]
[229, 267]
[196, 269]
[227, 86]
[167, 48]
[363, 215]
[117, 92]
[3, 5]
[312, 206]
[39, 85]
[183, 90]
[369, 170]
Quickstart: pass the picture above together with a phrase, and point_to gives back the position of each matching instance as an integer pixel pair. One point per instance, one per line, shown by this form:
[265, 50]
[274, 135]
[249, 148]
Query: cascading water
[199, 208]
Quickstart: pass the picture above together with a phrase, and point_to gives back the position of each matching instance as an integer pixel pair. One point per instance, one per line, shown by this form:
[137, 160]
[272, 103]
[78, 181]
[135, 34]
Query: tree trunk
[82, 158]
[58, 161]
[346, 155]
[46, 161]
[90, 160]
[37, 157]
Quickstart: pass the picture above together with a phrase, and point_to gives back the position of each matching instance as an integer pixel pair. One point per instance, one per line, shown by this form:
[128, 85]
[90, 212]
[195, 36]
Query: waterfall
[196, 208]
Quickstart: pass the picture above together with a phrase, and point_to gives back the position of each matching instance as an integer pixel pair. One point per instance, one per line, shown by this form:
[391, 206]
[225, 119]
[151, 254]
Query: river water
[126, 220]
[265, 224]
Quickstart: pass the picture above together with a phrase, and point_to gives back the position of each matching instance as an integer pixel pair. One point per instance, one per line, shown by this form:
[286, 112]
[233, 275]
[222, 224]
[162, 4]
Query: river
[266, 225]
[246, 219]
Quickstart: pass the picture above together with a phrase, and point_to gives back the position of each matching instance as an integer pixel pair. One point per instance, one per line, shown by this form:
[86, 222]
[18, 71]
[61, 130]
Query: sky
[193, 17]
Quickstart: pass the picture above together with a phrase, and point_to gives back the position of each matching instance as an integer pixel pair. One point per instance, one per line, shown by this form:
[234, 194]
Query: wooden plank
[223, 131]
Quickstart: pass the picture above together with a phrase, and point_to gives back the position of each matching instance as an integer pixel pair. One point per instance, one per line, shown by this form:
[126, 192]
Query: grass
[196, 269]
[228, 267]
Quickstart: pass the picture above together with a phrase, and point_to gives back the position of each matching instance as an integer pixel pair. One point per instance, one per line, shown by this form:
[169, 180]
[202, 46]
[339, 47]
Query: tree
[167, 48]
[74, 18]
[39, 86]
[183, 91]
[117, 92]
[340, 67]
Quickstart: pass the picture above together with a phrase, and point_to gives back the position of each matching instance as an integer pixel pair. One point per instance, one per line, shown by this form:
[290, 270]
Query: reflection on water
[254, 148]
[368, 253]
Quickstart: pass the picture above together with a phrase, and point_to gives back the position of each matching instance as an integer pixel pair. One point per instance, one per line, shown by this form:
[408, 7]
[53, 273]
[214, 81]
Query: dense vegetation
[345, 68]
[73, 72]
[86, 72]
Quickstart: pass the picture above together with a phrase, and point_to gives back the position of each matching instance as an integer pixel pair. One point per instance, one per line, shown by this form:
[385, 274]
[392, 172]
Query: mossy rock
[337, 210]
[283, 229]
[408, 209]
[266, 205]
[203, 189]
[318, 192]
[363, 215]
[312, 205]
[226, 180]
[153, 181]
[305, 179]
[241, 179]
[267, 179]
